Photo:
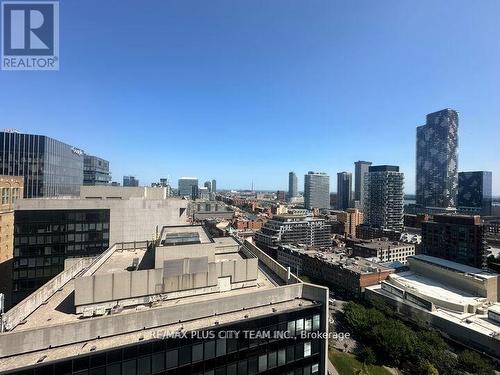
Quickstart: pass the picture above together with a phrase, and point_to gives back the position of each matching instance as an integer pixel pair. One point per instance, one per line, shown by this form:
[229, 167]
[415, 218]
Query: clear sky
[250, 90]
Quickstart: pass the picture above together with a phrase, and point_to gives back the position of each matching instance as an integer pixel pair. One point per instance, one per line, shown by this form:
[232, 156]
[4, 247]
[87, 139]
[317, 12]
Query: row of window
[10, 195]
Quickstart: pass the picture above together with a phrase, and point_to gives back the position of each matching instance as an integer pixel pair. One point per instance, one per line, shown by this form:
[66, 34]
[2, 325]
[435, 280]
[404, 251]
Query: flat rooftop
[378, 244]
[475, 322]
[38, 339]
[433, 289]
[457, 267]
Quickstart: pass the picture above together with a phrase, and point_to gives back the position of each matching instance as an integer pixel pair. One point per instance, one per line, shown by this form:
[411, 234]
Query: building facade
[292, 185]
[11, 190]
[384, 250]
[292, 229]
[186, 185]
[344, 190]
[437, 161]
[43, 240]
[360, 168]
[50, 168]
[130, 181]
[475, 193]
[351, 218]
[456, 238]
[210, 315]
[384, 197]
[214, 186]
[316, 190]
[95, 171]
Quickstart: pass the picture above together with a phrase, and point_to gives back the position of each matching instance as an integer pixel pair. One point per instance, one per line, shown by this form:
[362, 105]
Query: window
[197, 352]
[263, 363]
[316, 322]
[315, 368]
[172, 359]
[281, 357]
[307, 349]
[291, 328]
[5, 195]
[300, 325]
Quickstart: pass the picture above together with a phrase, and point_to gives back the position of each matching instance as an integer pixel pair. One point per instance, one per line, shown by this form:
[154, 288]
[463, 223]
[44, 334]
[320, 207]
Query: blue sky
[250, 90]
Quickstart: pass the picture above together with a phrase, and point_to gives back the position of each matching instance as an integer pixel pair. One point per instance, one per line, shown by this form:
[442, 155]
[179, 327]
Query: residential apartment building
[384, 197]
[292, 229]
[292, 185]
[360, 169]
[342, 274]
[316, 190]
[351, 218]
[437, 161]
[130, 181]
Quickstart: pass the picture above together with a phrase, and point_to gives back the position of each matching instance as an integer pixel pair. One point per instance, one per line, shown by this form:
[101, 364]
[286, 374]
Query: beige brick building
[11, 189]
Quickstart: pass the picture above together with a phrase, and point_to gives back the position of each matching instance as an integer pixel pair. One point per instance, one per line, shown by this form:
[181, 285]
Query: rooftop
[88, 301]
[454, 266]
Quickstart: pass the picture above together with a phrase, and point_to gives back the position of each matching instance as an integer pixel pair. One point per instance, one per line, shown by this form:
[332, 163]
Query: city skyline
[299, 74]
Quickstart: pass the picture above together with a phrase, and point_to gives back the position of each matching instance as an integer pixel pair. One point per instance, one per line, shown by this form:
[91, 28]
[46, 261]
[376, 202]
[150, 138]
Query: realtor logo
[30, 35]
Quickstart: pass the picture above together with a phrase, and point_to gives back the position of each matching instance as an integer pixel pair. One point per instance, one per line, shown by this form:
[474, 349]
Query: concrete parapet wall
[18, 342]
[23, 309]
[273, 265]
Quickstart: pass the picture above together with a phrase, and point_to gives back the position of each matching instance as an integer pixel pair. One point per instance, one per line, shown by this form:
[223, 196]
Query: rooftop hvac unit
[88, 312]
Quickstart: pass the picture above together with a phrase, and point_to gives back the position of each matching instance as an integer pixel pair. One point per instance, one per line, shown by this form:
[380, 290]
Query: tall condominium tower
[384, 197]
[50, 168]
[292, 185]
[214, 186]
[474, 193]
[316, 190]
[360, 168]
[344, 190]
[186, 185]
[437, 161]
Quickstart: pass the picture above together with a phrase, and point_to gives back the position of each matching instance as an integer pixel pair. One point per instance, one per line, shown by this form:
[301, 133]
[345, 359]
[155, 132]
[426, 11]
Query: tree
[473, 363]
[367, 356]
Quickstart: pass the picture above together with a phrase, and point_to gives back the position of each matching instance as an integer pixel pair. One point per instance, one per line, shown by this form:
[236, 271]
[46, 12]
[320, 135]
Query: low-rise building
[294, 229]
[384, 250]
[343, 274]
[457, 299]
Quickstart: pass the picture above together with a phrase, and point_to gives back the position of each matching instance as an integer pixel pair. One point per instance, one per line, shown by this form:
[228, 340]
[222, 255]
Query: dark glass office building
[50, 167]
[475, 192]
[43, 239]
[437, 161]
[95, 171]
[459, 238]
[282, 348]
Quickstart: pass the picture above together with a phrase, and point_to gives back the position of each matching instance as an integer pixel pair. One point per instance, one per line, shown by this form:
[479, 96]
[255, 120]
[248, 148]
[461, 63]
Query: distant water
[410, 201]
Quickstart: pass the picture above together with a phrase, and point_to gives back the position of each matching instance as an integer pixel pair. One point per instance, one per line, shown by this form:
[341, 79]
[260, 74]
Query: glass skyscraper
[474, 192]
[50, 168]
[316, 190]
[437, 161]
[344, 190]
